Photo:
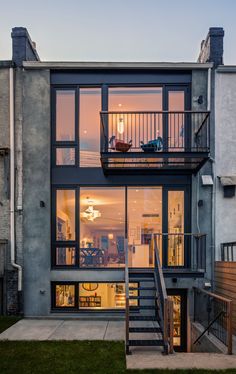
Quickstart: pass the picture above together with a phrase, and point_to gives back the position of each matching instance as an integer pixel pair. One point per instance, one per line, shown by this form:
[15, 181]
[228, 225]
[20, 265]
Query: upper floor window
[65, 115]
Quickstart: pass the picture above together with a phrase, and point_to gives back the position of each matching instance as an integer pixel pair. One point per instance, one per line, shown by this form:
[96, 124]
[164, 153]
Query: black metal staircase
[149, 322]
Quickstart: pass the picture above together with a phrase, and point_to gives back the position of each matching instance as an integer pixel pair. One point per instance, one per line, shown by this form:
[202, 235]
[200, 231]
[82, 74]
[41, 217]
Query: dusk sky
[119, 30]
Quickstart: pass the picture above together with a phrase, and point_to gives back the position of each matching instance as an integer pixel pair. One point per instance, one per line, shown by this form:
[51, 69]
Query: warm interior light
[90, 213]
[120, 125]
[110, 236]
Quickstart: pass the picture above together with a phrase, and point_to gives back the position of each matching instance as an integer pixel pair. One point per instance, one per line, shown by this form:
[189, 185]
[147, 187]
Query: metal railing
[126, 296]
[162, 131]
[214, 313]
[228, 251]
[186, 250]
[164, 303]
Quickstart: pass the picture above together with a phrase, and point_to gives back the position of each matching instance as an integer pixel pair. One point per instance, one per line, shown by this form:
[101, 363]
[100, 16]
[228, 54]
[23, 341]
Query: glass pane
[175, 228]
[65, 296]
[144, 219]
[102, 227]
[134, 129]
[65, 156]
[177, 319]
[104, 295]
[176, 120]
[65, 115]
[65, 215]
[89, 123]
[65, 256]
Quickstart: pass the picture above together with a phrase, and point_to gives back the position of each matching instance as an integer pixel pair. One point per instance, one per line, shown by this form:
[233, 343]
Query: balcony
[154, 141]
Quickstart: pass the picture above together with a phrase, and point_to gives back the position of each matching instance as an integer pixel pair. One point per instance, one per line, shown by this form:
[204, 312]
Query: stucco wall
[225, 124]
[36, 176]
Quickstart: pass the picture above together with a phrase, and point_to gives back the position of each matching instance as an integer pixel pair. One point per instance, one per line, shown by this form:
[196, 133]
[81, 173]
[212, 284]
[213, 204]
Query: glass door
[144, 205]
[177, 122]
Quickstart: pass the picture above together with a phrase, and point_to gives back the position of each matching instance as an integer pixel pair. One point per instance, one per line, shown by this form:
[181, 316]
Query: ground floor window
[92, 296]
[179, 298]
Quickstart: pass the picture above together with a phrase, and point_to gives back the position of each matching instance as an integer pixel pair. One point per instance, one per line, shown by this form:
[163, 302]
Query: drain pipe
[12, 182]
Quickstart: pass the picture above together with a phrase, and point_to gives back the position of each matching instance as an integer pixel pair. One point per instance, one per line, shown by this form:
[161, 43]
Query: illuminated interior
[65, 296]
[65, 221]
[176, 121]
[176, 226]
[104, 295]
[177, 319]
[102, 226]
[65, 156]
[144, 219]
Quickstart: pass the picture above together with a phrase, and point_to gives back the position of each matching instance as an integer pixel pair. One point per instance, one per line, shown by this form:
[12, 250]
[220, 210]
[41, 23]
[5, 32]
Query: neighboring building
[225, 172]
[85, 181]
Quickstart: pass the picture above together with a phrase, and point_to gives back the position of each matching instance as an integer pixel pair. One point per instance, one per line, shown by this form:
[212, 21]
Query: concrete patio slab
[48, 329]
[156, 360]
[80, 330]
[31, 330]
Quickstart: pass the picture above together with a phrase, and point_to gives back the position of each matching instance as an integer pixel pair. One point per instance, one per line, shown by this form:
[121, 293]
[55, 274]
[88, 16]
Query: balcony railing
[163, 140]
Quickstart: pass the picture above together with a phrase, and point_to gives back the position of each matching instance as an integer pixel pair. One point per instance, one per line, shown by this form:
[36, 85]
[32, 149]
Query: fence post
[229, 327]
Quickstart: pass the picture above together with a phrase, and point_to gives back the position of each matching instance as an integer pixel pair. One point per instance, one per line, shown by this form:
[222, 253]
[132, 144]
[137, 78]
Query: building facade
[97, 155]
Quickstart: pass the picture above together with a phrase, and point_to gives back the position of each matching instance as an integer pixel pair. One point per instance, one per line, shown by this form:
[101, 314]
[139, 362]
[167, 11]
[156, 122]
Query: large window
[176, 228]
[102, 227]
[93, 295]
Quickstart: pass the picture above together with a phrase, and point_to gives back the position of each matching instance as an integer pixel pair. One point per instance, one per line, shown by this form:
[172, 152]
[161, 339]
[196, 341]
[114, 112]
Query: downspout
[213, 192]
[12, 181]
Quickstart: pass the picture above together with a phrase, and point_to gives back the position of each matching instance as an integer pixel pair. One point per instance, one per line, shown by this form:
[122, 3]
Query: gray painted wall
[225, 124]
[36, 221]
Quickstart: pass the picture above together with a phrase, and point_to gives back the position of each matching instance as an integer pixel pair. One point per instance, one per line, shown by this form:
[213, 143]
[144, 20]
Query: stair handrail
[126, 296]
[164, 302]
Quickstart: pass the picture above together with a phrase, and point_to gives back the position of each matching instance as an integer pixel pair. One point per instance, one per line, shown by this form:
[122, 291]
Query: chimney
[23, 49]
[212, 47]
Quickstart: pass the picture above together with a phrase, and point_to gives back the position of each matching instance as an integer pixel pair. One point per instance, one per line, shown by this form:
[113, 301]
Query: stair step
[144, 318]
[142, 297]
[135, 279]
[143, 343]
[145, 329]
[142, 288]
[141, 307]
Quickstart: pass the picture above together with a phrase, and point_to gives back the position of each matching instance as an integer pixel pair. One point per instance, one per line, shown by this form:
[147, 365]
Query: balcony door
[176, 122]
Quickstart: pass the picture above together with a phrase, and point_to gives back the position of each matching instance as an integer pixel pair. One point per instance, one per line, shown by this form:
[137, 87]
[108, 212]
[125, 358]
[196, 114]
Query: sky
[118, 30]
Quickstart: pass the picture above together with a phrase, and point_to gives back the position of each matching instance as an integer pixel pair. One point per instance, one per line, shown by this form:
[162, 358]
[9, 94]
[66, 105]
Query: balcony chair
[119, 145]
[153, 145]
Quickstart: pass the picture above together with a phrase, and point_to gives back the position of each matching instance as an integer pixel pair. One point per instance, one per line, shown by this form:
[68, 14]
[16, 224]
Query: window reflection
[65, 156]
[176, 228]
[102, 227]
[176, 120]
[65, 295]
[65, 208]
[89, 123]
[65, 115]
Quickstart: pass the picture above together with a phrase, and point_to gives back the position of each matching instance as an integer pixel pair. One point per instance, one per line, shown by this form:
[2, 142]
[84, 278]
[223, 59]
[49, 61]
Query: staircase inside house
[149, 312]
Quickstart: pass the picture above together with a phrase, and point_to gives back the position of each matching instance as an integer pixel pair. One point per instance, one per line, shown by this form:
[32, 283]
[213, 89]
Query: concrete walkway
[36, 329]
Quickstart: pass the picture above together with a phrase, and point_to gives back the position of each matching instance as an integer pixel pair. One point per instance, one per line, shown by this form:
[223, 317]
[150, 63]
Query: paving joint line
[62, 322]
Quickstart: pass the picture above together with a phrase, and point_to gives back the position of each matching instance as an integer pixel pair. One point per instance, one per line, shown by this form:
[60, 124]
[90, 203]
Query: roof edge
[57, 65]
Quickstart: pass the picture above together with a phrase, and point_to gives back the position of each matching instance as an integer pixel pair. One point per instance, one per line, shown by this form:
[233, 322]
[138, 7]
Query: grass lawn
[6, 322]
[70, 357]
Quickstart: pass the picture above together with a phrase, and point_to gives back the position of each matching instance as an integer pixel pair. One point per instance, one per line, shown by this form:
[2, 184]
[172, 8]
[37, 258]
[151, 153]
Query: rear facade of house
[102, 164]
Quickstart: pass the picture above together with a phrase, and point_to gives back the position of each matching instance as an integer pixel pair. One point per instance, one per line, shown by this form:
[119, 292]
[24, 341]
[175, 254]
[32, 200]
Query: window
[92, 295]
[102, 227]
[176, 228]
[65, 256]
[65, 296]
[144, 219]
[65, 215]
[65, 156]
[65, 115]
[89, 124]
